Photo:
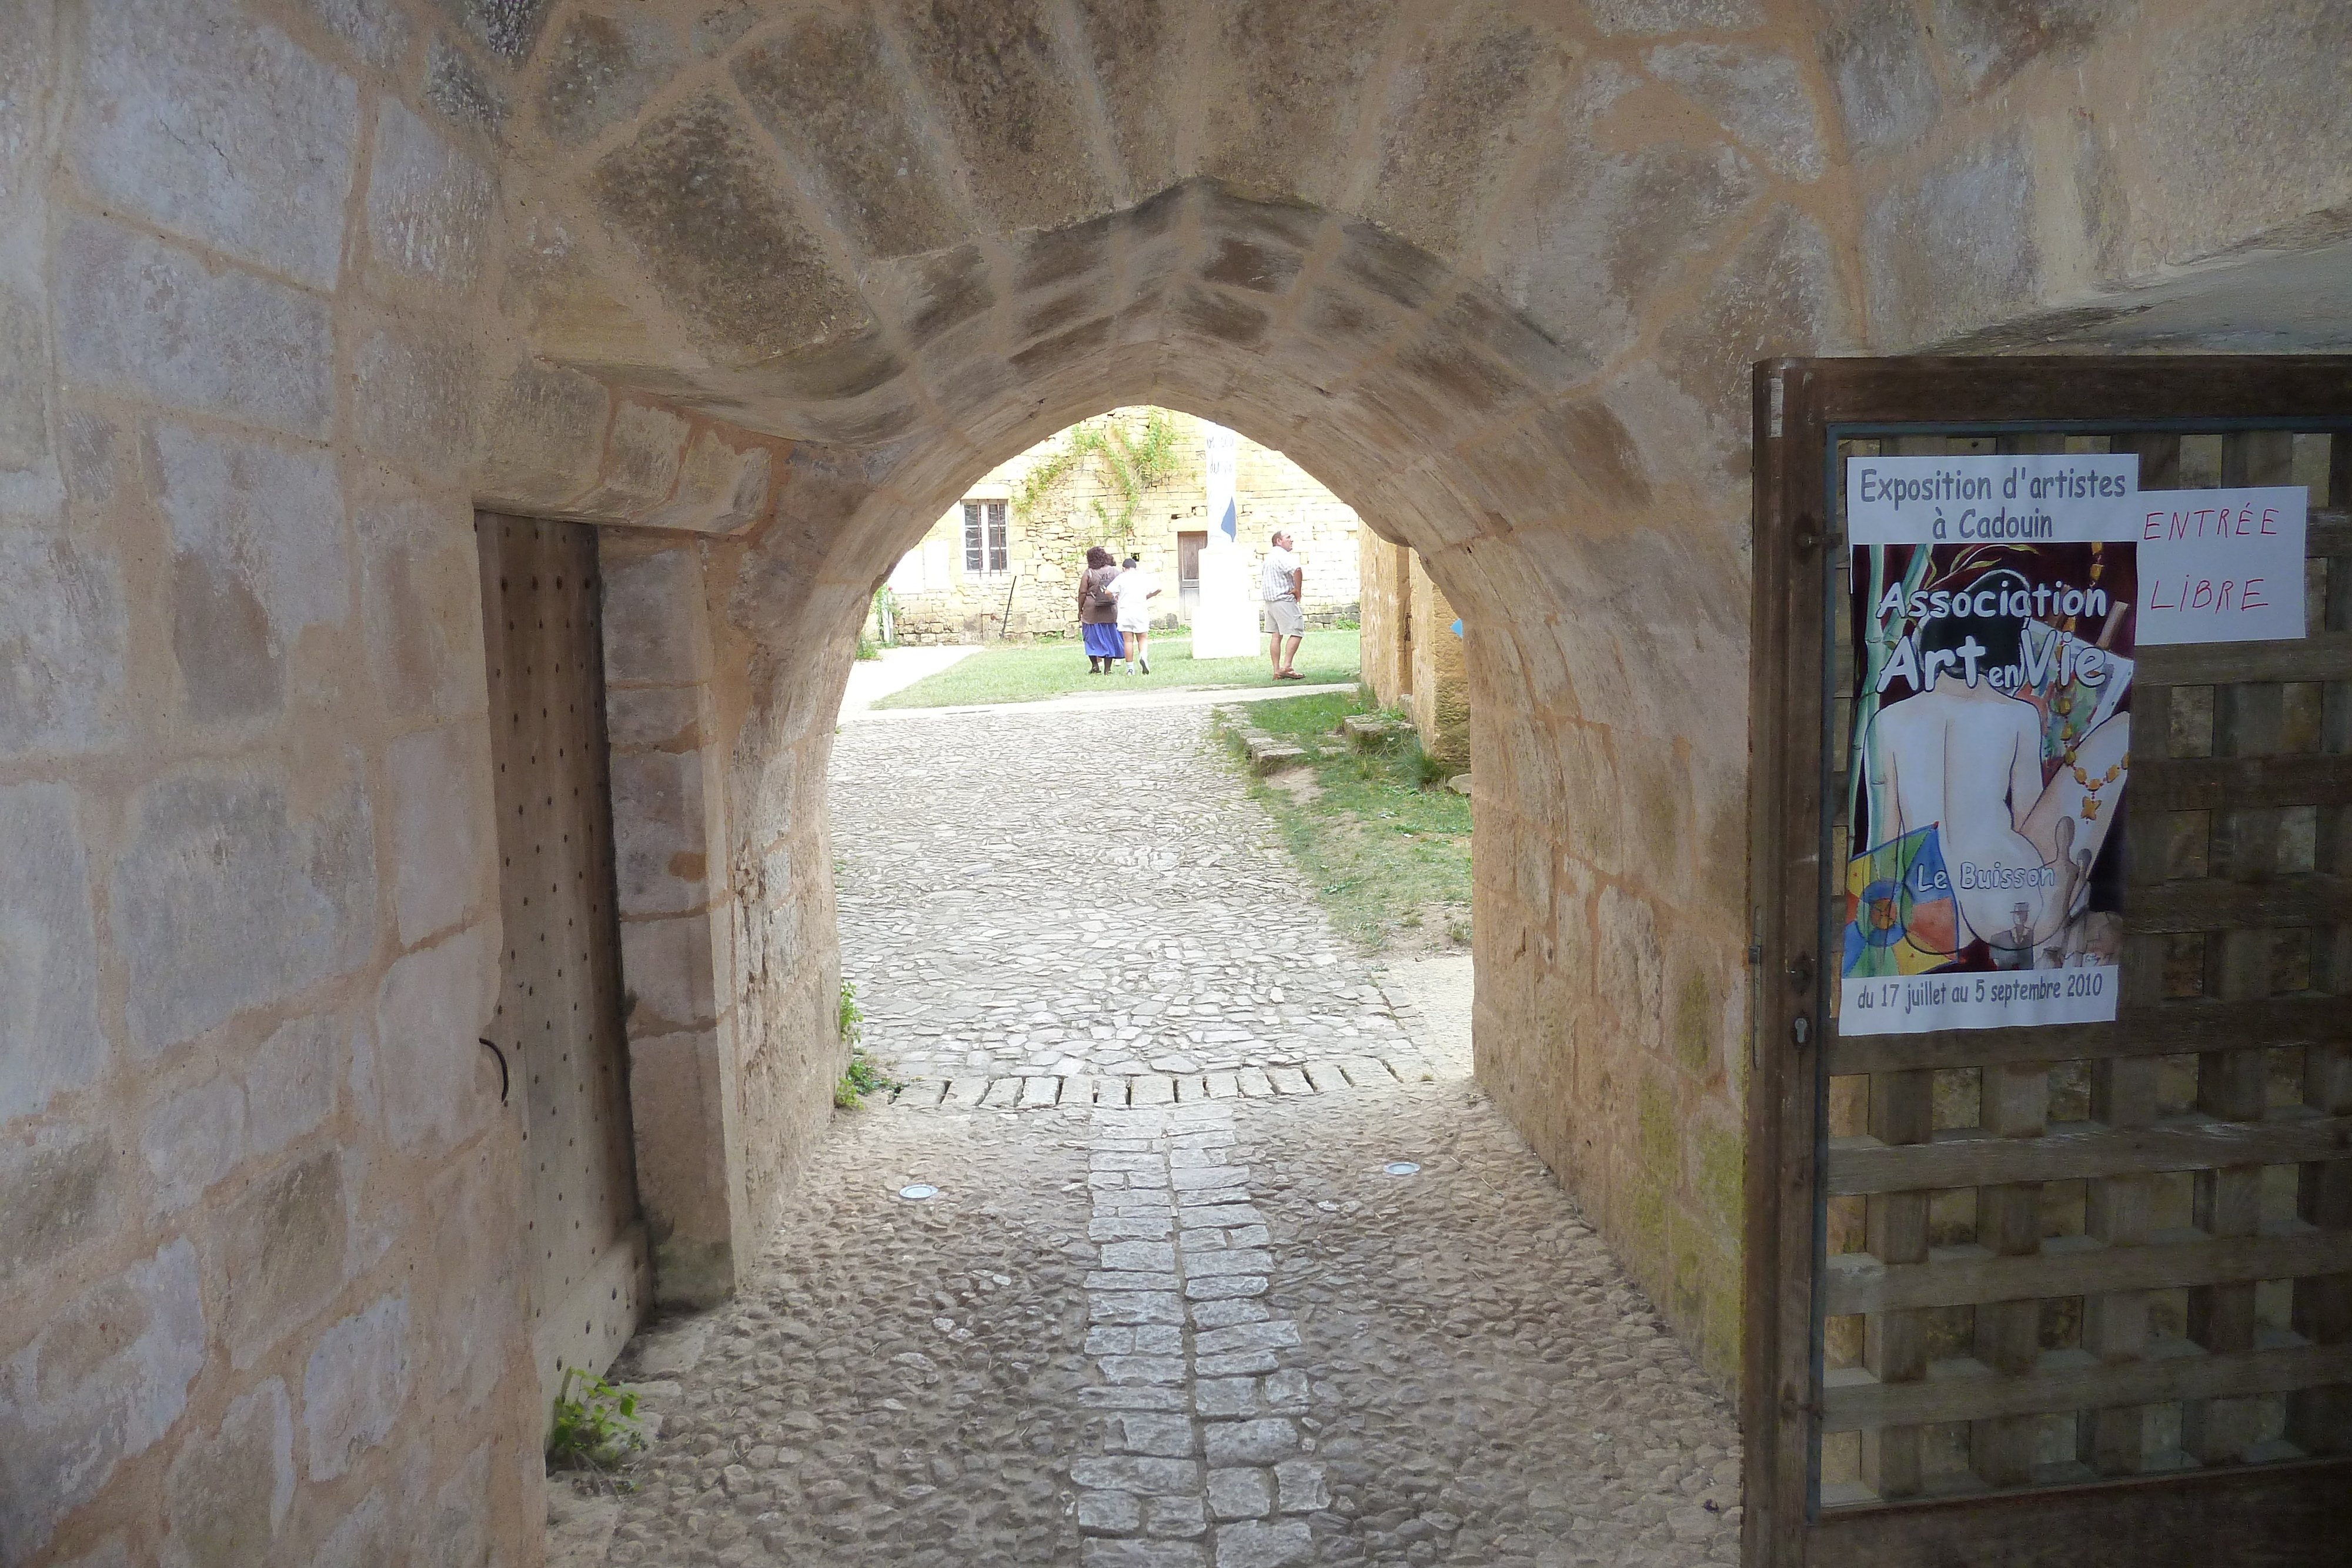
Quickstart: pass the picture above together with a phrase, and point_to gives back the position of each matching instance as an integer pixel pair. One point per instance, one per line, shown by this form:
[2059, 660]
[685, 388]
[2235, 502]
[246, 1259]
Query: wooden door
[2073, 1293]
[558, 1016]
[1189, 547]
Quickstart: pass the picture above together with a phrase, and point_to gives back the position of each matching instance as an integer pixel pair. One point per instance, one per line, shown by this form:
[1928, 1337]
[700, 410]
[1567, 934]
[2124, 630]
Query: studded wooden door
[559, 1017]
[2072, 1293]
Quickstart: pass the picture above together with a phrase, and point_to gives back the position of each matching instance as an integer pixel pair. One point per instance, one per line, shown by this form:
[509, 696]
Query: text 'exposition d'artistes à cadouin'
[1999, 607]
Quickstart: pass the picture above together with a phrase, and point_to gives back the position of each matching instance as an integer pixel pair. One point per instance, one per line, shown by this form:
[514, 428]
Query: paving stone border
[1205, 1461]
[1148, 1089]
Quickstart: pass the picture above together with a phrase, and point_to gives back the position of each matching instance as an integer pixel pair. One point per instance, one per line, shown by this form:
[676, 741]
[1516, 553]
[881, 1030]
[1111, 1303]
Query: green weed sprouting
[596, 1429]
[865, 1077]
[1430, 770]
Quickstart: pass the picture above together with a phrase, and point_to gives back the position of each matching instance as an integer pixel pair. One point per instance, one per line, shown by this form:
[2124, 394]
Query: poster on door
[1994, 605]
[1998, 606]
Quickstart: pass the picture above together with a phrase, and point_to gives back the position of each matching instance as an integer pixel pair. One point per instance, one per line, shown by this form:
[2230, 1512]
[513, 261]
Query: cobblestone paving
[1215, 1333]
[1089, 899]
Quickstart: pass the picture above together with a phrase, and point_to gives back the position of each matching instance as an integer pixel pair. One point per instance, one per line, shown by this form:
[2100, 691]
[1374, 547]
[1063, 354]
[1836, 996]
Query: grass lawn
[1025, 673]
[1385, 844]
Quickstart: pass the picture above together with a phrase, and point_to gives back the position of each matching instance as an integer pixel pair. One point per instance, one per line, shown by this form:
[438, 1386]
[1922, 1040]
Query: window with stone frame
[987, 546]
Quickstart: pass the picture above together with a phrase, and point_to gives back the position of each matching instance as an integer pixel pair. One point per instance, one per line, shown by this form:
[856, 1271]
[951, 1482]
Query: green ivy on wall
[1129, 463]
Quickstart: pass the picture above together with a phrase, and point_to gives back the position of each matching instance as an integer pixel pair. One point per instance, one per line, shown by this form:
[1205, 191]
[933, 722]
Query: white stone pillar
[1225, 624]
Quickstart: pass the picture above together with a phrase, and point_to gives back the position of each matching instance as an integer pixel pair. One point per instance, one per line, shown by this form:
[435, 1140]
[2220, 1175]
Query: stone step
[1268, 754]
[1366, 731]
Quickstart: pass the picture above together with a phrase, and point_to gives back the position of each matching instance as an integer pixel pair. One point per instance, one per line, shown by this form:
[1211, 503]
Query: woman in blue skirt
[1099, 613]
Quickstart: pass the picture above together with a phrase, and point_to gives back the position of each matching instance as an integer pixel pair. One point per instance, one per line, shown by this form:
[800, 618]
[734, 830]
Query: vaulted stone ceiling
[854, 222]
[860, 223]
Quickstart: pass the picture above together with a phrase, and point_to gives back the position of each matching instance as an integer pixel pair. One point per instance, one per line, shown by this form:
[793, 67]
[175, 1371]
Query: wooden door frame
[1798, 403]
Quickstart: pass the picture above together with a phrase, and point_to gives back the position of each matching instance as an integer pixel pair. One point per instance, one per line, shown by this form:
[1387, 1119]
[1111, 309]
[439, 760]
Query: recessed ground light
[917, 1192]
[1402, 1168]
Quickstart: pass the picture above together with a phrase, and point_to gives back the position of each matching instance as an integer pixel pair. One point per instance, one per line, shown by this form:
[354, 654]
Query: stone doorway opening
[1612, 974]
[1610, 981]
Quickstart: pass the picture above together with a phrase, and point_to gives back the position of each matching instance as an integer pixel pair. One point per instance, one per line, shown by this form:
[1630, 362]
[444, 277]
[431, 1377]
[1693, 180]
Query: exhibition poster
[1999, 604]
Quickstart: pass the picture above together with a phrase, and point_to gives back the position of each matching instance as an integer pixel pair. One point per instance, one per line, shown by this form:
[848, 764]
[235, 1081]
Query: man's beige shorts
[1285, 619]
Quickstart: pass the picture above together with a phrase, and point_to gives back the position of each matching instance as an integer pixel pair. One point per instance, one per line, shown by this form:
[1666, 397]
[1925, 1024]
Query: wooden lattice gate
[559, 1017]
[2064, 1293]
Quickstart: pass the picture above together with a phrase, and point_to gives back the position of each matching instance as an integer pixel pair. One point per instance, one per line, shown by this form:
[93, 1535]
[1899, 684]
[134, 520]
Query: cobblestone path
[1218, 1327]
[1086, 907]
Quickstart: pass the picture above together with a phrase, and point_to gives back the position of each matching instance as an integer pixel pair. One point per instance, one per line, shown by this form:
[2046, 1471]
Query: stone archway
[1590, 628]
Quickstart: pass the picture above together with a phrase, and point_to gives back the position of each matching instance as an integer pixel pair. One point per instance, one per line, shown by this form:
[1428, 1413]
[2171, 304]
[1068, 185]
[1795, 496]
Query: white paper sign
[2220, 566]
[1219, 465]
[2050, 497]
[1914, 1004]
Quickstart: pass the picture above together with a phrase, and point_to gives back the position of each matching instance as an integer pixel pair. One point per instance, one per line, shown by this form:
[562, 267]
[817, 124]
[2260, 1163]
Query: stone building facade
[288, 288]
[1415, 649]
[953, 586]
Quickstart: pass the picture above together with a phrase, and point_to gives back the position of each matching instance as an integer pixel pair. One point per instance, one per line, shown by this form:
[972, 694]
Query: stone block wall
[259, 1286]
[1440, 682]
[1385, 591]
[678, 919]
[1272, 492]
[261, 1295]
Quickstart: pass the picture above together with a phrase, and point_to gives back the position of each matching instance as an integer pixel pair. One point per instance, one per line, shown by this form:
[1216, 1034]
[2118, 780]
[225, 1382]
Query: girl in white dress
[1133, 591]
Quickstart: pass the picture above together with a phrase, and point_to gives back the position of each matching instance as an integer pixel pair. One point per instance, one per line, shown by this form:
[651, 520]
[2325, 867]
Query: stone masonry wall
[1440, 685]
[260, 1293]
[1385, 587]
[938, 601]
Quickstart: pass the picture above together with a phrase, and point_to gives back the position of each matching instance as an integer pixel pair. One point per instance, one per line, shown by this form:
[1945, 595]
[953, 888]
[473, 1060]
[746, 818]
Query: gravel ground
[1200, 1332]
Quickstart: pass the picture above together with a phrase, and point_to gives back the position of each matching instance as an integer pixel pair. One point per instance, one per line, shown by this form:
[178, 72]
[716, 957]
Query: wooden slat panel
[1785, 712]
[2295, 391]
[2284, 1516]
[2204, 783]
[2322, 656]
[2018, 1305]
[1858, 1282]
[2319, 1420]
[2084, 1384]
[1969, 1159]
[2159, 1028]
[1895, 1344]
[2211, 904]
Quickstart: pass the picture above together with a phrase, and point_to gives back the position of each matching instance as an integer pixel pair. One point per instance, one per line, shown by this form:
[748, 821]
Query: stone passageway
[1170, 1305]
